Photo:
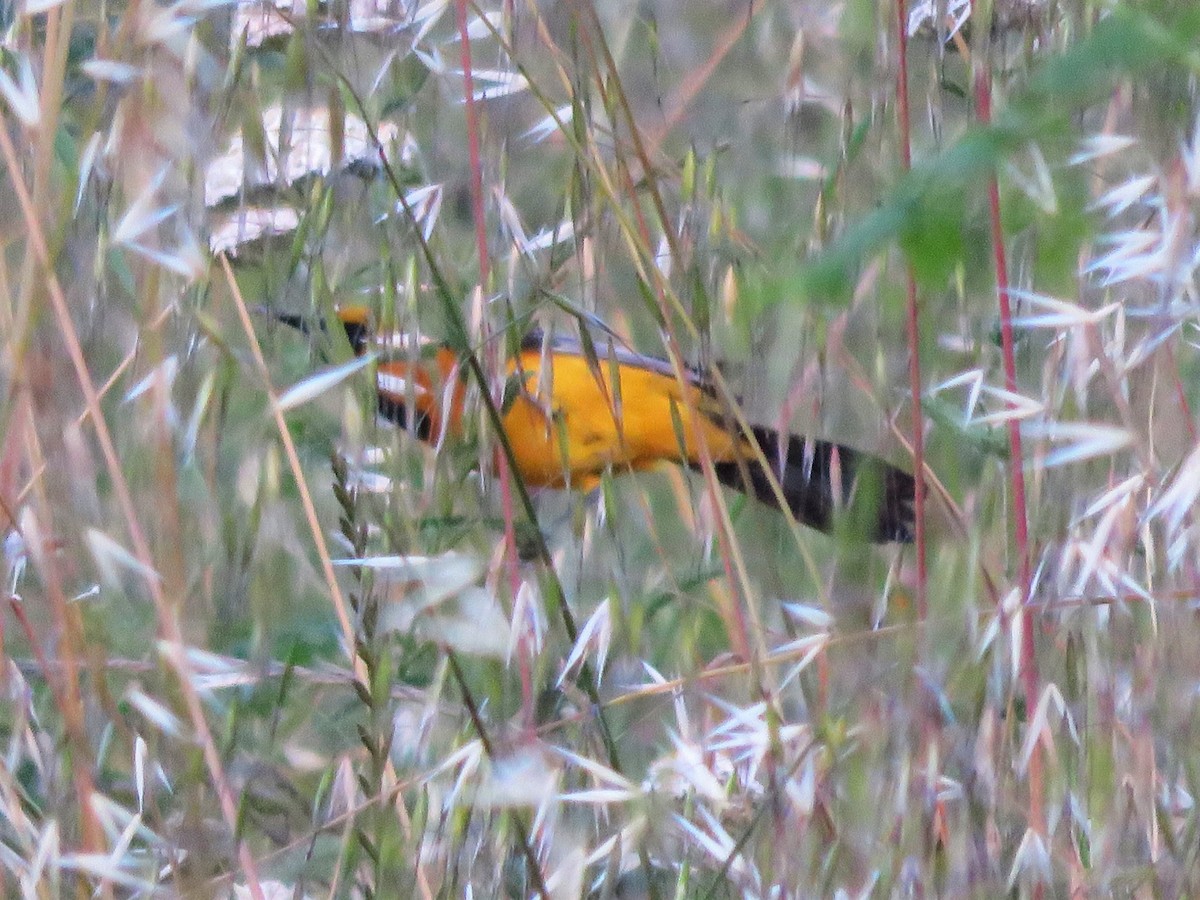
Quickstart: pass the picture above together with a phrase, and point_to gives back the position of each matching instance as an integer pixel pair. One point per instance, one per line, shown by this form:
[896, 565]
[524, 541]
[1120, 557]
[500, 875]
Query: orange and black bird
[570, 427]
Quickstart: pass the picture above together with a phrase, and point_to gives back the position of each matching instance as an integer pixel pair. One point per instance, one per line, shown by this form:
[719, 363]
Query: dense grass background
[258, 644]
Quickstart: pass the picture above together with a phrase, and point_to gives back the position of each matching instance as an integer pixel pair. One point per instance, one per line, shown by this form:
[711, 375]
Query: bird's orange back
[567, 424]
[573, 421]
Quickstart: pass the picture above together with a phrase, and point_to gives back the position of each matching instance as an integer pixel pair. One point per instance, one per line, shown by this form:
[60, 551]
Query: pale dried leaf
[556, 121]
[251, 224]
[1059, 313]
[315, 385]
[594, 637]
[1038, 727]
[490, 84]
[111, 71]
[154, 712]
[164, 373]
[809, 648]
[110, 558]
[601, 773]
[144, 213]
[809, 616]
[37, 7]
[1177, 501]
[1032, 858]
[1097, 146]
[1126, 194]
[944, 17]
[475, 625]
[1038, 186]
[1083, 440]
[23, 99]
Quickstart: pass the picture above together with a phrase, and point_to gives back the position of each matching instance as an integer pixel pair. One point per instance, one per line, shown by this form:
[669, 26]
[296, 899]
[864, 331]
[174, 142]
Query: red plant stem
[506, 500]
[67, 700]
[464, 42]
[902, 86]
[914, 330]
[1028, 673]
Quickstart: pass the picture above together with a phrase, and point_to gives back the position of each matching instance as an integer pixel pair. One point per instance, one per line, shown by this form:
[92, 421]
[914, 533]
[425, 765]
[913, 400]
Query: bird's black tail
[826, 483]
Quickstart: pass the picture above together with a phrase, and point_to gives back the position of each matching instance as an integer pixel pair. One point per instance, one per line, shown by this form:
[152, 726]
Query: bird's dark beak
[300, 323]
[357, 329]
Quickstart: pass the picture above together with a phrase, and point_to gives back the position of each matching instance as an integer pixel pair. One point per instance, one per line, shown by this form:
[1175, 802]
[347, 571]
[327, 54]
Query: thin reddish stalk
[64, 687]
[481, 247]
[1028, 673]
[464, 43]
[1180, 393]
[914, 330]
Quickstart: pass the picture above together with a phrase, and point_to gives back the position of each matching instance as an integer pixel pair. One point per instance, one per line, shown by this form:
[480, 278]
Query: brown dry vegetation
[258, 644]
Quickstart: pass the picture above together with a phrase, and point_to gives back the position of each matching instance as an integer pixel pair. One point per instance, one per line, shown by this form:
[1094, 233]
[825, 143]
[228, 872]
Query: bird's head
[422, 391]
